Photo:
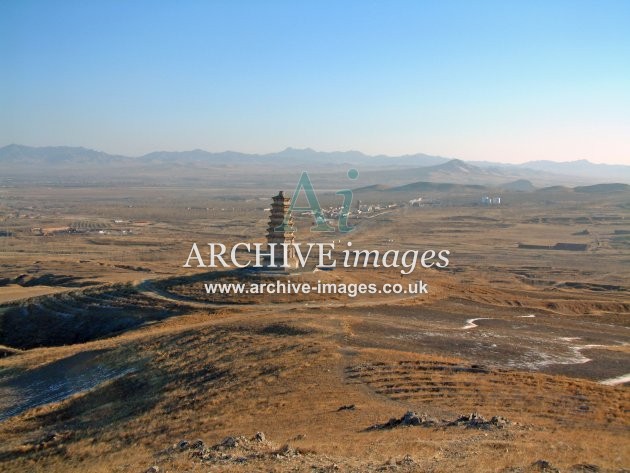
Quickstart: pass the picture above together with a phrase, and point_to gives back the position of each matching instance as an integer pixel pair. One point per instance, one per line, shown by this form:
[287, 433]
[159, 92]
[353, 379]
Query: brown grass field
[112, 354]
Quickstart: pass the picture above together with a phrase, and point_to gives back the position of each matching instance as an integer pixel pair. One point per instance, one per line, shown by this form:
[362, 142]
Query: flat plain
[113, 354]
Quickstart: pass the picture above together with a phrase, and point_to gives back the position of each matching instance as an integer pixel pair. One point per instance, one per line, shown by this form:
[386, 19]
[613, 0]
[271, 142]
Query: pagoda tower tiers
[281, 230]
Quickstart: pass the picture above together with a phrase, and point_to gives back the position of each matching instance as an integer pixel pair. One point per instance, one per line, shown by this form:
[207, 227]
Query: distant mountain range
[64, 155]
[82, 165]
[582, 167]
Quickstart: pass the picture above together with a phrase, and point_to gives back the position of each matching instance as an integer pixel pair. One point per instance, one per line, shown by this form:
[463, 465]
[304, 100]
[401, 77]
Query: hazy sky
[479, 80]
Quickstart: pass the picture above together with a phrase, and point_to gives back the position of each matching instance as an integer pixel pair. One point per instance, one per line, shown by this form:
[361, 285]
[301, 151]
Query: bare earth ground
[114, 354]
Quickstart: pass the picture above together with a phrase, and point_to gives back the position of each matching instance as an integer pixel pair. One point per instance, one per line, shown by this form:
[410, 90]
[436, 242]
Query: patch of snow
[470, 323]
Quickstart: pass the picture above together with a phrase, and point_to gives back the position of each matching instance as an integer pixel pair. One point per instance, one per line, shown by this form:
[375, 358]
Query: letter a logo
[313, 205]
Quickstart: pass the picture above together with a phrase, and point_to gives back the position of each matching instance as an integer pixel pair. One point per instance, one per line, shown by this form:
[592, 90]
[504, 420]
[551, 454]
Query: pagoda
[281, 230]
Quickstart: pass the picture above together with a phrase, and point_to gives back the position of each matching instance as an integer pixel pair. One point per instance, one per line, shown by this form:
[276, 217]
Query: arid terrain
[114, 358]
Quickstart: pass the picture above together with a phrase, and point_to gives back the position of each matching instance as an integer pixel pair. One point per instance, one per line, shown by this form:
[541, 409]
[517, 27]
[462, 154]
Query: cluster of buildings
[333, 212]
[487, 200]
[83, 228]
[50, 231]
